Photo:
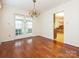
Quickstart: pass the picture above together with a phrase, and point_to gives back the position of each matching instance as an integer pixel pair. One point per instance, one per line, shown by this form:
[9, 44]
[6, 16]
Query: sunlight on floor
[29, 41]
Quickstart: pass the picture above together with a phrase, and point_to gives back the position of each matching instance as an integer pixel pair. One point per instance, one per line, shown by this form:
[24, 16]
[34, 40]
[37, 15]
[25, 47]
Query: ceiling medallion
[33, 12]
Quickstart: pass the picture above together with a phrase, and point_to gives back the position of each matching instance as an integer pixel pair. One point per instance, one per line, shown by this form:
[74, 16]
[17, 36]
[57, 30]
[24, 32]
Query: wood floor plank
[37, 47]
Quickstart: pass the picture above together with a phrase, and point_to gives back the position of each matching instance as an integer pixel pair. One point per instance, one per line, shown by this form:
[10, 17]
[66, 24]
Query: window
[28, 25]
[23, 25]
[18, 27]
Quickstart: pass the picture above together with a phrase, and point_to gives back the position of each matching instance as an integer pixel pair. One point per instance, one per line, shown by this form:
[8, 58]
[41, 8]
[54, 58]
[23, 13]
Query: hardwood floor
[37, 47]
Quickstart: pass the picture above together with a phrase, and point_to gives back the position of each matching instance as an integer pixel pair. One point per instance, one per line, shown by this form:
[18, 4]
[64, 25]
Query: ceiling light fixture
[33, 12]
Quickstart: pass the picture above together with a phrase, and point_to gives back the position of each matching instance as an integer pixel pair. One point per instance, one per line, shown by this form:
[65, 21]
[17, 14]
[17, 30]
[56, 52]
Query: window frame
[21, 20]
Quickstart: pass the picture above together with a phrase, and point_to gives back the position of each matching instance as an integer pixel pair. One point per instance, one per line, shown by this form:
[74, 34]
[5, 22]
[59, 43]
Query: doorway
[59, 26]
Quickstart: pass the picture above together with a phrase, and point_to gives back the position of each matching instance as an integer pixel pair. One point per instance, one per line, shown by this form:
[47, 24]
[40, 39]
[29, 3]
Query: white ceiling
[42, 5]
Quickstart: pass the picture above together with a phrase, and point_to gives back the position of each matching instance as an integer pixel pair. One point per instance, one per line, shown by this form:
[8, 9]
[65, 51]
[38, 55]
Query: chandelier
[34, 12]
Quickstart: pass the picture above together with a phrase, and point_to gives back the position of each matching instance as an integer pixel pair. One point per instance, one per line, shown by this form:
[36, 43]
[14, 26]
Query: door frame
[54, 32]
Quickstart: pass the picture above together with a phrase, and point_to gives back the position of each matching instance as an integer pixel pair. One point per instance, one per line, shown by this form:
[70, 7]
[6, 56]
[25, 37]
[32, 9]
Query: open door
[59, 26]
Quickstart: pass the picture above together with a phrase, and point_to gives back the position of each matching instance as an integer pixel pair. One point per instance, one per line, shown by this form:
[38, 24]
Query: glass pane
[23, 26]
[18, 24]
[28, 26]
[16, 31]
[19, 27]
[20, 31]
[30, 30]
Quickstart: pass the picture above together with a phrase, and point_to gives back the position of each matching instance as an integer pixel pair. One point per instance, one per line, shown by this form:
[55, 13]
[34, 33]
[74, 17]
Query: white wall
[46, 24]
[36, 28]
[0, 25]
[7, 24]
[71, 22]
[8, 27]
[43, 25]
